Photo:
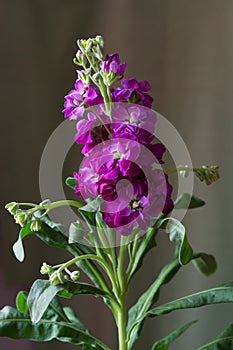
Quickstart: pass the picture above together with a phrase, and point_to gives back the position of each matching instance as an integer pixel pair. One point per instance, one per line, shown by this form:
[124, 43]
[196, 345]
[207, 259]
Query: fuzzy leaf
[215, 295]
[205, 264]
[223, 342]
[18, 248]
[163, 344]
[17, 325]
[39, 298]
[70, 289]
[177, 234]
[188, 201]
[147, 299]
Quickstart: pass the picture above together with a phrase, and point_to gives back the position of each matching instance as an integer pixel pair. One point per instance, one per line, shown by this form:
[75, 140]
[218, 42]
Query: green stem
[93, 257]
[121, 324]
[180, 168]
[62, 203]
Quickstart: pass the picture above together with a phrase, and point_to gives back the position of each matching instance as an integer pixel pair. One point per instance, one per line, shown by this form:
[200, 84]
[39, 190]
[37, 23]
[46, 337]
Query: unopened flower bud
[80, 58]
[100, 41]
[21, 217]
[35, 226]
[46, 269]
[208, 174]
[75, 275]
[56, 278]
[12, 207]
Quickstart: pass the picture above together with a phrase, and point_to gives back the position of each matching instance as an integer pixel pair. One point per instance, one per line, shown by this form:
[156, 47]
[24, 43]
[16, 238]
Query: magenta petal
[144, 86]
[130, 84]
[79, 86]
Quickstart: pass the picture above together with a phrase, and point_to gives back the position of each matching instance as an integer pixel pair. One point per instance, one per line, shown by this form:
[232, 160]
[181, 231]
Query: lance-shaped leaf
[177, 234]
[40, 296]
[147, 299]
[188, 201]
[163, 344]
[73, 318]
[42, 293]
[70, 289]
[215, 295]
[17, 325]
[18, 248]
[205, 264]
[138, 312]
[224, 341]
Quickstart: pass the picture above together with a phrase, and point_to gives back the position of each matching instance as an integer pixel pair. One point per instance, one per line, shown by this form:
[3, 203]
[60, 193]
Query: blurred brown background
[185, 49]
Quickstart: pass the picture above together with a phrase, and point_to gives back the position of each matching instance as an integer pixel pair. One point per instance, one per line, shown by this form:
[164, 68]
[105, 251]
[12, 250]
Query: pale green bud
[100, 41]
[46, 269]
[75, 275]
[12, 207]
[35, 226]
[21, 217]
[56, 278]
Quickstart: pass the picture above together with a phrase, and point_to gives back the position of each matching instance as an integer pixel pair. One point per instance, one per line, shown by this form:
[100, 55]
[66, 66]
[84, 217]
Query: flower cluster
[123, 159]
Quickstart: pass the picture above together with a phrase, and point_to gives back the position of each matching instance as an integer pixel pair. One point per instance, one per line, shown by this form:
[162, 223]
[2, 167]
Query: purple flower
[78, 99]
[133, 91]
[112, 64]
[135, 207]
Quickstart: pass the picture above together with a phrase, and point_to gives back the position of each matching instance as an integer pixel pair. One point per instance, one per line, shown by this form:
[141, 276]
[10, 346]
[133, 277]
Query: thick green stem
[122, 324]
[122, 316]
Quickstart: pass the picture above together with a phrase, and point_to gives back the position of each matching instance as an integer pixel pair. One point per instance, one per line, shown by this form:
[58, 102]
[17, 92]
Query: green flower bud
[75, 275]
[35, 226]
[85, 44]
[99, 41]
[12, 207]
[80, 58]
[21, 217]
[207, 174]
[56, 278]
[46, 269]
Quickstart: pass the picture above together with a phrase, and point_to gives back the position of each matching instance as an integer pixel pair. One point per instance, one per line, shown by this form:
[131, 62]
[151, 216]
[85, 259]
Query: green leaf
[17, 325]
[73, 318]
[223, 342]
[76, 232]
[21, 302]
[216, 295]
[147, 299]
[205, 263]
[70, 289]
[93, 206]
[188, 201]
[39, 298]
[71, 182]
[177, 234]
[163, 344]
[18, 245]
